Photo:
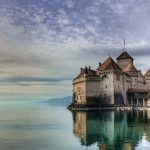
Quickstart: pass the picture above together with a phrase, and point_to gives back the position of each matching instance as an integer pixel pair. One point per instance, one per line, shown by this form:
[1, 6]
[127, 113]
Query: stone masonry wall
[93, 90]
[147, 79]
[79, 90]
[119, 89]
[107, 88]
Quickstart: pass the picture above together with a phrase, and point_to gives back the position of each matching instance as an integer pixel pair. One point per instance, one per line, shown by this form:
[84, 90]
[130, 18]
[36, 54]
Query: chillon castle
[113, 83]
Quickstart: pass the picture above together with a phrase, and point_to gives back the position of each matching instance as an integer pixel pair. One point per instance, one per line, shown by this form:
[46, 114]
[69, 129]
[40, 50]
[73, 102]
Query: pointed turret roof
[124, 55]
[130, 68]
[147, 74]
[108, 64]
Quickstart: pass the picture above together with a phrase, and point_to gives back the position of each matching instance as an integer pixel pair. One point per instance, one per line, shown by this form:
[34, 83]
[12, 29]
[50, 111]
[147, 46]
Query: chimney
[81, 70]
[86, 69]
[100, 64]
[89, 67]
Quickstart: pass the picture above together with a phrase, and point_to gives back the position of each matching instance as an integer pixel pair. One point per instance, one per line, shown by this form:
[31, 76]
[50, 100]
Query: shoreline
[76, 107]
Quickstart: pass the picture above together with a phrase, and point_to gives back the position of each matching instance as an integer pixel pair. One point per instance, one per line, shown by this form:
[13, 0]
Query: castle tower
[86, 87]
[111, 86]
[124, 59]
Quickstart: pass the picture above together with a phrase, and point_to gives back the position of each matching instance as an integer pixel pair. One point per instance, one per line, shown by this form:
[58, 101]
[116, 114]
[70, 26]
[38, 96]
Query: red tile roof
[130, 68]
[124, 55]
[108, 64]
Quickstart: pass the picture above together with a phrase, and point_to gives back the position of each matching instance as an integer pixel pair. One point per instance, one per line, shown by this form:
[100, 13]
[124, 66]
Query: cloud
[70, 3]
[32, 79]
[55, 38]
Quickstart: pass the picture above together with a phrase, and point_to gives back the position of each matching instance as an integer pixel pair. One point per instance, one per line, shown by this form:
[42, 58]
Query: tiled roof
[147, 73]
[124, 55]
[109, 64]
[130, 68]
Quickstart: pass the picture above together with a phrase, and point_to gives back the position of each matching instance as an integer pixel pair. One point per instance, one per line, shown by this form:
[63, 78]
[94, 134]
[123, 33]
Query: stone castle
[113, 83]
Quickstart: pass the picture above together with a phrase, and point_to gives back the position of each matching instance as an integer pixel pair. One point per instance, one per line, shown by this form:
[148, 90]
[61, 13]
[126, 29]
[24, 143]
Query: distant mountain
[65, 101]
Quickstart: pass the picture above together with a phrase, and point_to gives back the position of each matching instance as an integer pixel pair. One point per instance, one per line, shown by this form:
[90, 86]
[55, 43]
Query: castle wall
[79, 90]
[110, 88]
[141, 85]
[93, 90]
[86, 90]
[147, 79]
[119, 89]
[107, 88]
[128, 86]
[121, 85]
[136, 83]
[124, 62]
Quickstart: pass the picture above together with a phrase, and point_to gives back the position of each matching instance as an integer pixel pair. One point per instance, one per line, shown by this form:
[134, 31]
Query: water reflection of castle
[111, 130]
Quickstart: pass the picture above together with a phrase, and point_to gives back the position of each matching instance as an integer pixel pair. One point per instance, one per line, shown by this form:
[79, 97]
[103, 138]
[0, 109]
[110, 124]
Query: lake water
[38, 126]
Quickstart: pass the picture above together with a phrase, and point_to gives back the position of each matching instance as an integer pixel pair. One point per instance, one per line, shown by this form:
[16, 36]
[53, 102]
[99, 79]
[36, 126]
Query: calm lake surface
[39, 126]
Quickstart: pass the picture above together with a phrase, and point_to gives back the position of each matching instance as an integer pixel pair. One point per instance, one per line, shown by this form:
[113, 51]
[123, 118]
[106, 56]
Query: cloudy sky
[43, 43]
